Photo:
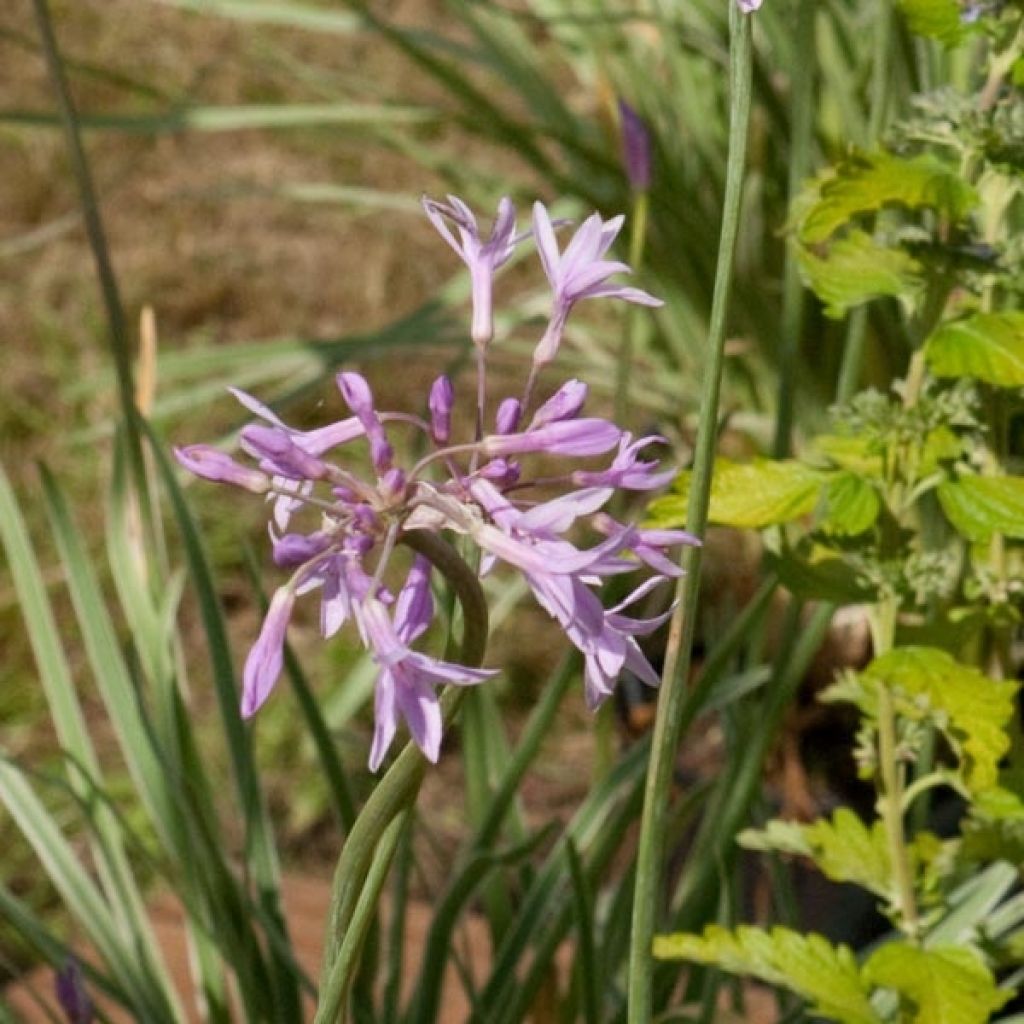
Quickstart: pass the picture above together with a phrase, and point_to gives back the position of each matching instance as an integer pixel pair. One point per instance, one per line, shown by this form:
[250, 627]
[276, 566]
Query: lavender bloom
[265, 660]
[482, 258]
[407, 680]
[72, 995]
[636, 148]
[212, 464]
[581, 272]
[749, 6]
[280, 455]
[565, 437]
[626, 470]
[335, 531]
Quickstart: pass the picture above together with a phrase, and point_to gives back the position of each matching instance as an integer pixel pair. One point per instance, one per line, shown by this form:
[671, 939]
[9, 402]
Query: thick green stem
[366, 846]
[672, 698]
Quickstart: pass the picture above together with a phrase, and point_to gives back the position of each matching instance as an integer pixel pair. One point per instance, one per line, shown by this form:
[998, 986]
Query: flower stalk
[373, 839]
[672, 696]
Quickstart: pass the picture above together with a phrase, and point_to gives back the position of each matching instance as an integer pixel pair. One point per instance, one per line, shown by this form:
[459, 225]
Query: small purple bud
[69, 986]
[442, 399]
[212, 464]
[564, 404]
[568, 437]
[279, 454]
[636, 148]
[356, 392]
[266, 658]
[295, 549]
[392, 485]
[748, 6]
[507, 418]
[502, 472]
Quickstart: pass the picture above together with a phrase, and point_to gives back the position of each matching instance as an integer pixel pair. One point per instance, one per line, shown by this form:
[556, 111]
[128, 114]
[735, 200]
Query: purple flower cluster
[336, 529]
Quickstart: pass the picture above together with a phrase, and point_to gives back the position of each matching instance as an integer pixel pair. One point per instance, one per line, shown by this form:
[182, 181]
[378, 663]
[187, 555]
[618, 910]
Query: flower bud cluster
[336, 527]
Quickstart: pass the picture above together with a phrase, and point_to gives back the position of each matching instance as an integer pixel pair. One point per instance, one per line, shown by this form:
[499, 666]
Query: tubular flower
[581, 272]
[341, 504]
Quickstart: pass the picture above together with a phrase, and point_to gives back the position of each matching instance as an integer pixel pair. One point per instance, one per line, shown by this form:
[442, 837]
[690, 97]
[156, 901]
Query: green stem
[672, 698]
[803, 78]
[891, 798]
[394, 794]
[881, 77]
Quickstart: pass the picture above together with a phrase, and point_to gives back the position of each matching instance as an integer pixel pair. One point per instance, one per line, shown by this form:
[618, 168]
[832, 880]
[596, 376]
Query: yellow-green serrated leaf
[947, 985]
[855, 270]
[988, 346]
[844, 848]
[850, 451]
[941, 445]
[979, 506]
[865, 183]
[851, 504]
[826, 976]
[764, 492]
[970, 709]
[937, 19]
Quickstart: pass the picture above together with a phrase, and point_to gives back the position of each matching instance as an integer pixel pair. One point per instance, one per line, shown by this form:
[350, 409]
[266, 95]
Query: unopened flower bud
[507, 418]
[212, 464]
[564, 404]
[442, 398]
[72, 994]
[636, 148]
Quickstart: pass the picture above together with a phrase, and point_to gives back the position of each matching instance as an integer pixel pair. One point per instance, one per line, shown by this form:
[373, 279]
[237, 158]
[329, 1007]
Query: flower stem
[671, 699]
[368, 845]
[891, 798]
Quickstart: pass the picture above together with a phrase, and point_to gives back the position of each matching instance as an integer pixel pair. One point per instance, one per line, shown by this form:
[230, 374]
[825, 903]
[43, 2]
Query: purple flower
[335, 530]
[482, 258]
[442, 399]
[591, 436]
[265, 660]
[636, 148]
[72, 995]
[581, 272]
[357, 394]
[564, 404]
[749, 6]
[626, 470]
[280, 455]
[406, 686]
[212, 464]
[507, 417]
